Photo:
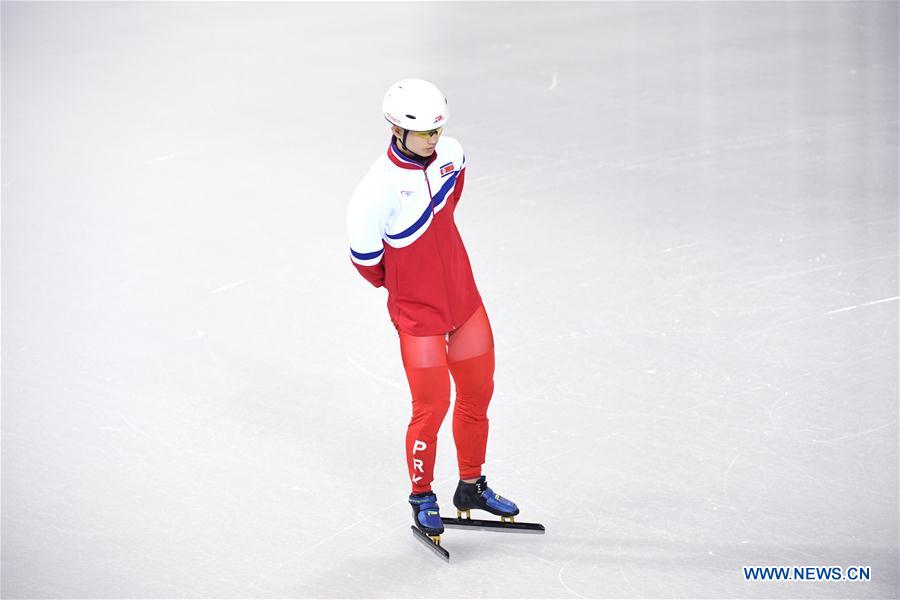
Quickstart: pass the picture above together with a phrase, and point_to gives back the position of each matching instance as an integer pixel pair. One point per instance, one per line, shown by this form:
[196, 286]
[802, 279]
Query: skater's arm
[458, 157]
[458, 186]
[367, 217]
[374, 274]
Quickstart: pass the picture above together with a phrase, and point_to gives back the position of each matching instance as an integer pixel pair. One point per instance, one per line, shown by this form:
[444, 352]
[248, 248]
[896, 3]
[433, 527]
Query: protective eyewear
[427, 134]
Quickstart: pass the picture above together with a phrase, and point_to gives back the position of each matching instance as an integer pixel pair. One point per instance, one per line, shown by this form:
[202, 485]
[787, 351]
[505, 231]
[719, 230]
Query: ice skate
[478, 495]
[427, 515]
[428, 526]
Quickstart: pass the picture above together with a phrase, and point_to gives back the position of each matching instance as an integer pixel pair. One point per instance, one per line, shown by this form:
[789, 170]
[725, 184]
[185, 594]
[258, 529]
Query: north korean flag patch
[446, 169]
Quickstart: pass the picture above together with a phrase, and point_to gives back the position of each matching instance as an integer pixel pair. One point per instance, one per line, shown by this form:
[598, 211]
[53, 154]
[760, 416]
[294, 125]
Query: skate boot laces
[486, 493]
[482, 489]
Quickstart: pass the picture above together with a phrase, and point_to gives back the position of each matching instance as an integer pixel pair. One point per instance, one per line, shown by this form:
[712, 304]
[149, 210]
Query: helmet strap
[405, 147]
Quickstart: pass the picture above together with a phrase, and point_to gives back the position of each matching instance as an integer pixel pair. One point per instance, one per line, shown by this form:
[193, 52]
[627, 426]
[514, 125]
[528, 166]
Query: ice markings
[559, 576]
[622, 570]
[856, 435]
[554, 81]
[725, 477]
[844, 264]
[373, 375]
[692, 244]
[802, 319]
[855, 306]
[229, 286]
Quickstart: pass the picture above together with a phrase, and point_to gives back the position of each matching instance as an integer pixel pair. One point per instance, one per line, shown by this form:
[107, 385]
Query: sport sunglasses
[427, 134]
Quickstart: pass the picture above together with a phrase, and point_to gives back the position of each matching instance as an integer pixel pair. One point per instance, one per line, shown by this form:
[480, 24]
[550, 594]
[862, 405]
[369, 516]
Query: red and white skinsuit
[403, 237]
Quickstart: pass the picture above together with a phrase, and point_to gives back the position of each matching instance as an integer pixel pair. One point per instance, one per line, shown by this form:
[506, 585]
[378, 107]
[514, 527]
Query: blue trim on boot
[426, 513]
[478, 495]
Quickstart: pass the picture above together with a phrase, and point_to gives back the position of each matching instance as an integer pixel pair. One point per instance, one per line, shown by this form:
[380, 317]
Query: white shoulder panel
[368, 213]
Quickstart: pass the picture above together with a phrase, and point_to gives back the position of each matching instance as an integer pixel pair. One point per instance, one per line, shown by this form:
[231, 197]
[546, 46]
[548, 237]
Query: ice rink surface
[682, 218]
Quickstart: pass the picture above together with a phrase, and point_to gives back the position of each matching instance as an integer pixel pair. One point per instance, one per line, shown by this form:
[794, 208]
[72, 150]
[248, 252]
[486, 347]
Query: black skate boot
[479, 495]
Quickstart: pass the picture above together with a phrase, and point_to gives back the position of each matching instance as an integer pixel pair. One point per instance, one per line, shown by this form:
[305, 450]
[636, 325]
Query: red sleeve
[373, 274]
[457, 190]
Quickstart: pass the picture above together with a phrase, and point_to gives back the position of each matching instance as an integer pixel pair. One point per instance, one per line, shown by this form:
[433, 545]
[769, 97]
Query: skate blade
[433, 544]
[508, 526]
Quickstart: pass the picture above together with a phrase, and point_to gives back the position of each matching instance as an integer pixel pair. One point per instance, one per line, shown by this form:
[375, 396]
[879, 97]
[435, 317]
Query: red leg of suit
[471, 360]
[425, 362]
[468, 354]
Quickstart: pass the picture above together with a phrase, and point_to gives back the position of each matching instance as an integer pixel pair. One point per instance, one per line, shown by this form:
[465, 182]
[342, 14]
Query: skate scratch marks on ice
[855, 435]
[554, 81]
[392, 531]
[682, 246]
[855, 306]
[373, 375]
[563, 583]
[739, 142]
[725, 477]
[229, 286]
[268, 575]
[740, 513]
[622, 570]
[801, 319]
[843, 264]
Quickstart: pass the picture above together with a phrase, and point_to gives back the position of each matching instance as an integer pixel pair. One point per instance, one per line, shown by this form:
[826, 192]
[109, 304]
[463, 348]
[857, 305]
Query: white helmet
[416, 105]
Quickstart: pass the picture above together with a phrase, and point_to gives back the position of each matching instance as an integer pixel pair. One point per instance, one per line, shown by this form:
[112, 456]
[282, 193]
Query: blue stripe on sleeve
[366, 255]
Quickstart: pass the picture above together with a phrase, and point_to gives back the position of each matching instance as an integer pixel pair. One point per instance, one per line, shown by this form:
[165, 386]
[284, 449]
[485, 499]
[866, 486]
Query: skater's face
[420, 142]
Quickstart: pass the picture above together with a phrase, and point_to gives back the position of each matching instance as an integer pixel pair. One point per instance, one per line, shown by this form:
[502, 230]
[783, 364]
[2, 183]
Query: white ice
[682, 218]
